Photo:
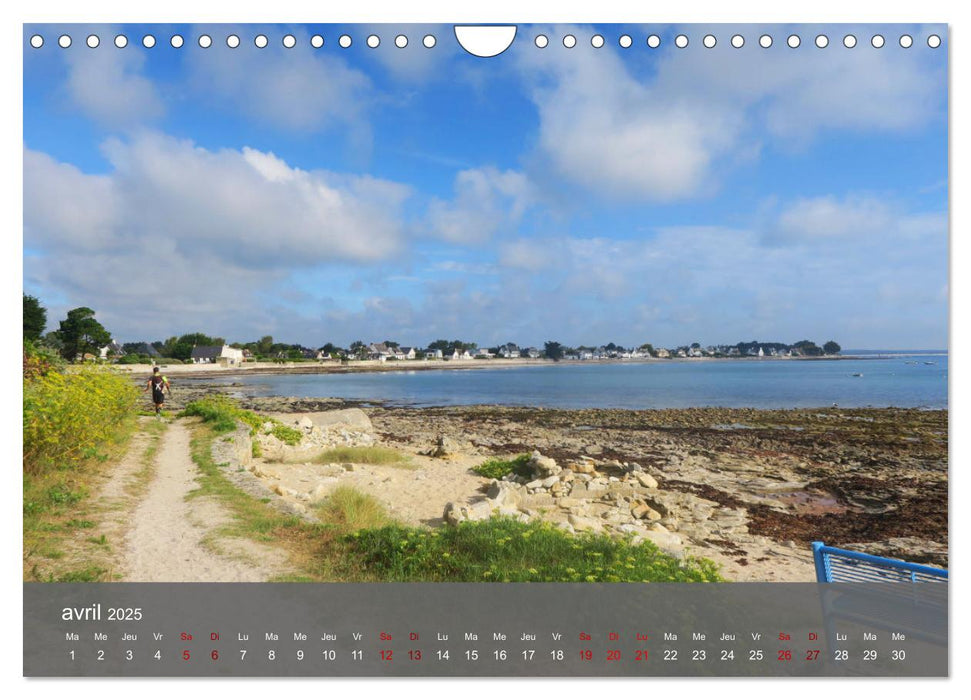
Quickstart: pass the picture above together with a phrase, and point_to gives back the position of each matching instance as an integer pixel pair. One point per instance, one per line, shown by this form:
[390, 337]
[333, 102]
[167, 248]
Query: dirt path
[172, 539]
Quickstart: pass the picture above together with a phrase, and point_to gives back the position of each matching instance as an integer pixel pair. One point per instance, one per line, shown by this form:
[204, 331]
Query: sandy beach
[335, 367]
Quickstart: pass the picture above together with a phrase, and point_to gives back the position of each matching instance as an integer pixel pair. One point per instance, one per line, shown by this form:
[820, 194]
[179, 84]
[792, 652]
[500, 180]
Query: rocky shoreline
[748, 488]
[871, 479]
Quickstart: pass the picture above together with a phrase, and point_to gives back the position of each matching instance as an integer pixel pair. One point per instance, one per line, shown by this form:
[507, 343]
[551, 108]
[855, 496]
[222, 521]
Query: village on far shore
[236, 354]
[81, 338]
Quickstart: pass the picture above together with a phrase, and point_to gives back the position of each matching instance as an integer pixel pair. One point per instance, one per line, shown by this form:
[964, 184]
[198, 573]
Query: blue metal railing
[843, 565]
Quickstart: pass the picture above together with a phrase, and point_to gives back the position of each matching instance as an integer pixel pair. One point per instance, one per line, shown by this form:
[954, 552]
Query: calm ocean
[904, 381]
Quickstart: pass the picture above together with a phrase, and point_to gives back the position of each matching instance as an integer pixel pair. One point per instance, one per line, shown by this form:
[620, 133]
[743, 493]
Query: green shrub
[350, 510]
[70, 415]
[498, 468]
[503, 549]
[88, 575]
[58, 495]
[285, 433]
[40, 360]
[222, 413]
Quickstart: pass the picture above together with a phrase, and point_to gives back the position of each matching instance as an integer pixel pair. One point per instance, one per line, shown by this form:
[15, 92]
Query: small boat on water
[930, 363]
[858, 374]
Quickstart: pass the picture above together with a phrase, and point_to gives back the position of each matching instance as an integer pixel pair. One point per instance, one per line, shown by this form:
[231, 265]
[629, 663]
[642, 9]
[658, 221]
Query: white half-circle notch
[485, 41]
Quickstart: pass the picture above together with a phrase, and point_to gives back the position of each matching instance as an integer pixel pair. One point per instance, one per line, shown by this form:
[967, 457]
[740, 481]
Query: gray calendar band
[534, 629]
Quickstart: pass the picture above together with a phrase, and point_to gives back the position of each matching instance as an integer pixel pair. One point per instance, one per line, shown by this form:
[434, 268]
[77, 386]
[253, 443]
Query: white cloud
[853, 219]
[486, 200]
[885, 287]
[605, 130]
[107, 85]
[823, 217]
[794, 94]
[251, 205]
[301, 90]
[63, 205]
[525, 254]
[413, 63]
[178, 236]
[860, 269]
[465, 268]
[669, 128]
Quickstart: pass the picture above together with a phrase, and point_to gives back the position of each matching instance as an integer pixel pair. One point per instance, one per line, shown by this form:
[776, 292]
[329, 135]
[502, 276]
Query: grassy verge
[63, 541]
[75, 420]
[58, 509]
[310, 546]
[357, 541]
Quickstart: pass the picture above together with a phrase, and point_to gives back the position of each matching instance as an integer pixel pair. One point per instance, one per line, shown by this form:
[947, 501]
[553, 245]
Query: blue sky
[586, 195]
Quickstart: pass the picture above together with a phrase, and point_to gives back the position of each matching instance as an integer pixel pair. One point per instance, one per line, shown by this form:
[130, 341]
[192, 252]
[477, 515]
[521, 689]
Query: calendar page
[519, 350]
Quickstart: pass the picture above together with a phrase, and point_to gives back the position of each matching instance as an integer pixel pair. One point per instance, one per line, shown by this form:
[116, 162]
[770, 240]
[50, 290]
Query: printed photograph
[615, 303]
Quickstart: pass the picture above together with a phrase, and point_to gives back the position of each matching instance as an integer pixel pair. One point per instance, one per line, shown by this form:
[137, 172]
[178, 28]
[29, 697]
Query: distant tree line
[80, 334]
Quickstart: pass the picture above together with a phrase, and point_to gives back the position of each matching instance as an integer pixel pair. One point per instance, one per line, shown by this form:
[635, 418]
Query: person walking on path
[158, 384]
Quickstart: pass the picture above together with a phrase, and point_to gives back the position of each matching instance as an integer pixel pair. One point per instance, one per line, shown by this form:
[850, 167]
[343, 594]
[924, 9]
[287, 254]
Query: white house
[112, 348]
[217, 354]
[406, 353]
[379, 351]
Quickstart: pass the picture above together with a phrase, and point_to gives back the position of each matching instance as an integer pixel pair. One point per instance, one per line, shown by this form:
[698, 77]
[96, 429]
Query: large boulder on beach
[323, 422]
[505, 494]
[583, 466]
[543, 467]
[444, 446]
[349, 417]
[667, 542]
[579, 522]
[455, 513]
[318, 432]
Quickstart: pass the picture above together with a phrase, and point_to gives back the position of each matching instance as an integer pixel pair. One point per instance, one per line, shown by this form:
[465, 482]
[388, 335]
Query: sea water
[903, 381]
